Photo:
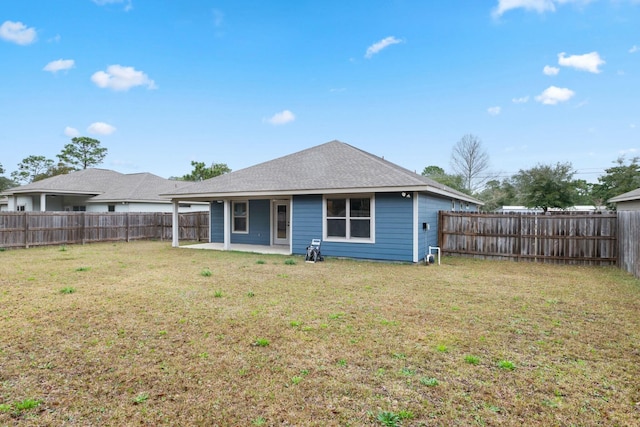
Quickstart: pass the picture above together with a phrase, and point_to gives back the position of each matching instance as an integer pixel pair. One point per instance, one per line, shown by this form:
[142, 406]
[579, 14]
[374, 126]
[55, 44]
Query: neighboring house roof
[104, 185]
[575, 208]
[626, 197]
[332, 167]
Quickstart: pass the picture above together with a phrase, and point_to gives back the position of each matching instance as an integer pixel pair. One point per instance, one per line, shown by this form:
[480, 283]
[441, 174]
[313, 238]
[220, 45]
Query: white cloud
[122, 78]
[550, 71]
[281, 118]
[553, 95]
[587, 62]
[378, 46]
[632, 151]
[521, 100]
[218, 17]
[59, 65]
[71, 132]
[101, 128]
[634, 49]
[494, 111]
[540, 6]
[127, 3]
[17, 32]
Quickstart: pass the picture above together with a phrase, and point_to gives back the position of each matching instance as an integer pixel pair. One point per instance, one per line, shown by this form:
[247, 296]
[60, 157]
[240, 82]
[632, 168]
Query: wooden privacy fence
[26, 229]
[629, 241]
[552, 238]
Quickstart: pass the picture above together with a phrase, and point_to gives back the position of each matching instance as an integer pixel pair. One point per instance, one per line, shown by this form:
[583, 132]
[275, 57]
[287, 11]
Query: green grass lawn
[144, 334]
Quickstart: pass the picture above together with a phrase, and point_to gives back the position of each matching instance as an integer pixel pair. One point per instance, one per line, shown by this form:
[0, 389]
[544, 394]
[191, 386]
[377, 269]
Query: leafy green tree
[585, 193]
[201, 171]
[471, 161]
[546, 186]
[497, 194]
[32, 168]
[619, 179]
[4, 181]
[438, 174]
[82, 152]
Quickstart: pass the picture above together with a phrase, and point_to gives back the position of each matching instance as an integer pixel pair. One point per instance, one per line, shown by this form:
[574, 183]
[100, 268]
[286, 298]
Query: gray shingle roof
[625, 197]
[332, 166]
[106, 186]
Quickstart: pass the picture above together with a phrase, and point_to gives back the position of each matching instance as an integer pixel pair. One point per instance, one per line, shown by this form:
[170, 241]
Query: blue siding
[393, 229]
[217, 222]
[307, 222]
[259, 224]
[428, 208]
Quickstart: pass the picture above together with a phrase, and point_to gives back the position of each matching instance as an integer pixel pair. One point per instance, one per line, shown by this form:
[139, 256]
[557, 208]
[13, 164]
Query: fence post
[26, 230]
[83, 227]
[126, 223]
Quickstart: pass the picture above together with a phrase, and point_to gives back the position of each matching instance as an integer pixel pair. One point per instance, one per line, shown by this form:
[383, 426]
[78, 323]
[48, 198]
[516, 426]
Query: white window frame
[233, 217]
[348, 238]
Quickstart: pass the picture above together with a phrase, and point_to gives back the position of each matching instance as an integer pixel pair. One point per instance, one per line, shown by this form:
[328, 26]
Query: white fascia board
[319, 191]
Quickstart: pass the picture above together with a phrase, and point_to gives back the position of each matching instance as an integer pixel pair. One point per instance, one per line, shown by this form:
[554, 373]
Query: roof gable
[332, 166]
[104, 185]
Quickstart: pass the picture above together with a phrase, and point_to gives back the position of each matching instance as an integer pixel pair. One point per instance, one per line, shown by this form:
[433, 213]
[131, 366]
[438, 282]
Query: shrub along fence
[561, 238]
[27, 229]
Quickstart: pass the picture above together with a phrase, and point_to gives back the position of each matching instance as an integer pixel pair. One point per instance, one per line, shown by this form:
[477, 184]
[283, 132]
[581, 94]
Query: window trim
[233, 216]
[348, 238]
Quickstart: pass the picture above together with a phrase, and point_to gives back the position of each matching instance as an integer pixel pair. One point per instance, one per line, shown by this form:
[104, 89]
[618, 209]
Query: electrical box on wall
[425, 226]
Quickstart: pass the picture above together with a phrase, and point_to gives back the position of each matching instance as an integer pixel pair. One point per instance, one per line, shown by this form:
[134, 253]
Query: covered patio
[258, 249]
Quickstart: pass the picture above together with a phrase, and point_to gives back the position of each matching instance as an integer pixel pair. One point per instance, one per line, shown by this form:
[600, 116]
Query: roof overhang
[206, 197]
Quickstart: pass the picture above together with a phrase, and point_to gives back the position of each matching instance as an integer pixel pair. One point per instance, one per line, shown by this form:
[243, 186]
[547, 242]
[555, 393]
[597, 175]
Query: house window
[240, 217]
[20, 208]
[111, 208]
[349, 218]
[79, 208]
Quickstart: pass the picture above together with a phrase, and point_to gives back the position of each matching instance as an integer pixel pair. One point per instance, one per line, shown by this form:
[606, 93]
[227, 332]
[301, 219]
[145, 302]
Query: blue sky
[163, 82]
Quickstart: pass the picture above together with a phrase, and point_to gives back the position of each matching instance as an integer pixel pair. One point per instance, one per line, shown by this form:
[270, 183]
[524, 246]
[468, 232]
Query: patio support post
[227, 225]
[416, 227]
[43, 202]
[175, 225]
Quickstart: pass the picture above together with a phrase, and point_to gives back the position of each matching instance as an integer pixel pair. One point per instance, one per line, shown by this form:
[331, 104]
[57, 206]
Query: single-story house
[360, 205]
[629, 201]
[97, 190]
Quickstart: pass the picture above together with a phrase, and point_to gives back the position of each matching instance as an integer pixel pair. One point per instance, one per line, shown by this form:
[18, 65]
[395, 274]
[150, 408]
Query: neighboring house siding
[259, 225]
[633, 205]
[307, 222]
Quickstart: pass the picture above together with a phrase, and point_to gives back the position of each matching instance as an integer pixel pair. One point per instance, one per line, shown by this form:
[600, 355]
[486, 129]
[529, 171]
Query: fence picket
[27, 229]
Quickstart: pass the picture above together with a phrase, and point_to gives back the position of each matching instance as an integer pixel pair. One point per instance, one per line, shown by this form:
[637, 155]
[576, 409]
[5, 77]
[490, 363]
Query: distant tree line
[81, 153]
[542, 186]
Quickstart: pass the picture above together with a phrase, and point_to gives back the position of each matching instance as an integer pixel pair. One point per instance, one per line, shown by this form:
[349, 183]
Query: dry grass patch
[123, 334]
